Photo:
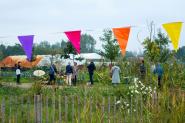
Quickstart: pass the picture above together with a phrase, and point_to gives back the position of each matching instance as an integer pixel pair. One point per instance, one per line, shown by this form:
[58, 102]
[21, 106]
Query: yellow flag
[174, 30]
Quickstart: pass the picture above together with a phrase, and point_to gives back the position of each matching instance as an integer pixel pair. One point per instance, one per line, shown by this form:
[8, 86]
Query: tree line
[155, 50]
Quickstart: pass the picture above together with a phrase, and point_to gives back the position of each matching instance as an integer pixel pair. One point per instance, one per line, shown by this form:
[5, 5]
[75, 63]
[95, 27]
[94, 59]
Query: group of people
[71, 73]
[156, 69]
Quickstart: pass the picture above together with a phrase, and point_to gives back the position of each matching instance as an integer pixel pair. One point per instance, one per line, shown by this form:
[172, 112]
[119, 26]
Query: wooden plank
[90, 110]
[141, 105]
[72, 109]
[28, 110]
[109, 109]
[41, 108]
[78, 99]
[10, 109]
[47, 110]
[103, 109]
[3, 110]
[59, 108]
[66, 109]
[17, 106]
[53, 106]
[35, 108]
[131, 109]
[114, 117]
[22, 110]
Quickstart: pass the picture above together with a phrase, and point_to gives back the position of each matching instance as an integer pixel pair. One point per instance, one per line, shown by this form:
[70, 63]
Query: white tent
[46, 60]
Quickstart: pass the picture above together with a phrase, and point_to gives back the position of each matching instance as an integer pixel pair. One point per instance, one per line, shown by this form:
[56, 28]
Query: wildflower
[137, 92]
[146, 88]
[118, 102]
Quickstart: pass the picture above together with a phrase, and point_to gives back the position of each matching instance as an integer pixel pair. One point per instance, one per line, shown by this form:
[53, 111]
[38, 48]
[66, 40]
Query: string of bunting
[173, 30]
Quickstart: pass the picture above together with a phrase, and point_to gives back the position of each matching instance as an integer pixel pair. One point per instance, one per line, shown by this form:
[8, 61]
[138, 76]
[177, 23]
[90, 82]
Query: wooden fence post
[78, 109]
[10, 109]
[103, 109]
[131, 109]
[90, 109]
[16, 105]
[28, 110]
[141, 101]
[47, 110]
[37, 103]
[3, 110]
[109, 109]
[59, 105]
[72, 109]
[22, 110]
[66, 110]
[53, 104]
[114, 119]
[35, 109]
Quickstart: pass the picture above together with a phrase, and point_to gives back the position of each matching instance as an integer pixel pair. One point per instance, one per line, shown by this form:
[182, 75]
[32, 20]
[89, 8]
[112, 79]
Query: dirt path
[13, 84]
[29, 85]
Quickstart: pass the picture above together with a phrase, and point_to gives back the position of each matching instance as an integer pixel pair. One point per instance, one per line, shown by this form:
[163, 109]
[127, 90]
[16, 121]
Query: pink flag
[74, 37]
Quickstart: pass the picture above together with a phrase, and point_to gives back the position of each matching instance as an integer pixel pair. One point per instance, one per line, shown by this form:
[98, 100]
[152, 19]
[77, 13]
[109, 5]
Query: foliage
[180, 54]
[110, 46]
[156, 50]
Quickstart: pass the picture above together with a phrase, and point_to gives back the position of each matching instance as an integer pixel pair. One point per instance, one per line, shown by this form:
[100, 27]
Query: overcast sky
[44, 18]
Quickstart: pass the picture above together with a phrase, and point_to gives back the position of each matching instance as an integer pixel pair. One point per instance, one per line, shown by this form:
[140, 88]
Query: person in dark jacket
[159, 71]
[91, 67]
[69, 73]
[142, 70]
[75, 73]
[52, 72]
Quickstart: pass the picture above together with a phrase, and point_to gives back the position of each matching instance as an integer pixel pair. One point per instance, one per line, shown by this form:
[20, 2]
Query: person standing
[115, 75]
[69, 72]
[91, 67]
[75, 73]
[52, 72]
[159, 71]
[18, 72]
[142, 70]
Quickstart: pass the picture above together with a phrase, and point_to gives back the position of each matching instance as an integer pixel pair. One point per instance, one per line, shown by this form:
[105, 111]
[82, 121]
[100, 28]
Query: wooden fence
[74, 109]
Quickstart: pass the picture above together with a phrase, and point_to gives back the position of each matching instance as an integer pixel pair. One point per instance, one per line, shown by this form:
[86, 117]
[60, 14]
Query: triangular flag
[27, 44]
[74, 37]
[122, 35]
[174, 30]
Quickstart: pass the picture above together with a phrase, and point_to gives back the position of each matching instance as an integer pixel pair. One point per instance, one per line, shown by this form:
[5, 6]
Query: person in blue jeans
[69, 73]
[159, 71]
[91, 67]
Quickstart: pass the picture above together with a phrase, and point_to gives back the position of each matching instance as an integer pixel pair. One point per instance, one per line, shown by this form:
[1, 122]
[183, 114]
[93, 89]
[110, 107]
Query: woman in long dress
[115, 75]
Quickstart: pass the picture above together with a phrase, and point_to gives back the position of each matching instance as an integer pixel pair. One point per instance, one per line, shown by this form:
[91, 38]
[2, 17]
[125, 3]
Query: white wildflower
[118, 102]
[137, 92]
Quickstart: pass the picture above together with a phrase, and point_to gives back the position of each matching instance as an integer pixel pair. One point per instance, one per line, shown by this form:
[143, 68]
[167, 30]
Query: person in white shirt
[18, 72]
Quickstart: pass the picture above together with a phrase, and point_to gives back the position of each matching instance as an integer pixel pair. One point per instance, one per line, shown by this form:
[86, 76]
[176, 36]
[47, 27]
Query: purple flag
[27, 44]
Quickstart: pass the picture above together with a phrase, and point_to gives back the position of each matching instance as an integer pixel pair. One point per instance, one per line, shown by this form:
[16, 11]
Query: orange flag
[122, 35]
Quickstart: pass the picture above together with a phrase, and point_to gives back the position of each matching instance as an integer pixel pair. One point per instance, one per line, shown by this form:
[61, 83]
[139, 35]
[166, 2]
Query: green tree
[180, 54]
[87, 44]
[157, 50]
[111, 48]
[2, 52]
[69, 49]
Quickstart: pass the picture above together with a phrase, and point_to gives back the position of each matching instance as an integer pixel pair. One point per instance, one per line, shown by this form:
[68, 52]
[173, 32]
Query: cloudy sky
[44, 18]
